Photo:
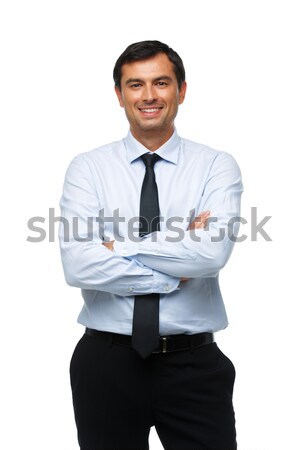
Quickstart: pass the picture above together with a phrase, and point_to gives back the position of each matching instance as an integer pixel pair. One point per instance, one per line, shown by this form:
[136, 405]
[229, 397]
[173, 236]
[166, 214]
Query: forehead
[158, 65]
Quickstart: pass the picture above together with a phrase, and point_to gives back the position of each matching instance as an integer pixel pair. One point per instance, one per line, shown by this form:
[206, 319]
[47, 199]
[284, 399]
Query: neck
[151, 140]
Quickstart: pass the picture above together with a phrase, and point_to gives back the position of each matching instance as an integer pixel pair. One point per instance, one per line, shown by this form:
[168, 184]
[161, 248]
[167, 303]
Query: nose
[149, 94]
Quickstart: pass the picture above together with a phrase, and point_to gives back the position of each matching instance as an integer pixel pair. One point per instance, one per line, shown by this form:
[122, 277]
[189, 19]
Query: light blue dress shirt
[105, 183]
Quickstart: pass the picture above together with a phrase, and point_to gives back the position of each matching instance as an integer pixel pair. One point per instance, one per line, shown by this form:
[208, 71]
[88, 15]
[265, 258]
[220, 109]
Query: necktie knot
[149, 160]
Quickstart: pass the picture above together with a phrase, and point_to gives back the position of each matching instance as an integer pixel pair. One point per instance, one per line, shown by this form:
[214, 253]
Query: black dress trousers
[118, 396]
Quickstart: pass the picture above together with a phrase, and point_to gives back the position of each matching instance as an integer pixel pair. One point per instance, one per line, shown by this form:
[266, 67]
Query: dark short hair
[144, 50]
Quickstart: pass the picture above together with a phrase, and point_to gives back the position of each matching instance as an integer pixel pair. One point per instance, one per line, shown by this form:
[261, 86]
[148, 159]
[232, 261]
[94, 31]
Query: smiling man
[150, 99]
[152, 301]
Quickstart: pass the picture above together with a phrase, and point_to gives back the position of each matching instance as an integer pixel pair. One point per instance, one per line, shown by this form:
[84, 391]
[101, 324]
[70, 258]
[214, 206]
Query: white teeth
[150, 110]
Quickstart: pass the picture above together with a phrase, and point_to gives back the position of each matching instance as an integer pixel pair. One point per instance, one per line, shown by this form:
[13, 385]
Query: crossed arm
[148, 266]
[199, 222]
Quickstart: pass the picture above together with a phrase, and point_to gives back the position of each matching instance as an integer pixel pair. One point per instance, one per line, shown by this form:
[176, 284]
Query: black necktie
[145, 327]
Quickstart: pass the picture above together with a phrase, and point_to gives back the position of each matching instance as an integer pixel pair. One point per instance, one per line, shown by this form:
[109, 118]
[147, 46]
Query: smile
[149, 110]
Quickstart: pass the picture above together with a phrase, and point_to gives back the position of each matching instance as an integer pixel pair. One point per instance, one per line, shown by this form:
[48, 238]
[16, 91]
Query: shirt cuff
[157, 245]
[130, 249]
[162, 283]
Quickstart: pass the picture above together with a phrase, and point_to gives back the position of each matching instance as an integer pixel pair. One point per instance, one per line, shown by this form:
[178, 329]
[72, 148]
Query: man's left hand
[109, 245]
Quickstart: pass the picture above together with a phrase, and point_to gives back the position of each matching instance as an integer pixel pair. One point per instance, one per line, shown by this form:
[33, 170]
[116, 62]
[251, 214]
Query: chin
[151, 127]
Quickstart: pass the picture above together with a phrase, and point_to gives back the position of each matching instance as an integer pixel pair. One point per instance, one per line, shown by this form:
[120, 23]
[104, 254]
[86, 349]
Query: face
[150, 95]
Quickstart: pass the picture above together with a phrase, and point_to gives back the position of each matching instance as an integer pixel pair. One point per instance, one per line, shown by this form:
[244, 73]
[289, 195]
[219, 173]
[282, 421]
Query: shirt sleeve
[201, 252]
[86, 262]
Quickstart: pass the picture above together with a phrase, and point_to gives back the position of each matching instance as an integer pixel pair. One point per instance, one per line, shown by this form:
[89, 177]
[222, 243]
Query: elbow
[211, 263]
[73, 273]
[220, 260]
[72, 278]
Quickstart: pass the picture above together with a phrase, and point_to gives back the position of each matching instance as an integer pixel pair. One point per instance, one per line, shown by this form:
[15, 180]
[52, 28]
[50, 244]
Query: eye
[135, 85]
[161, 83]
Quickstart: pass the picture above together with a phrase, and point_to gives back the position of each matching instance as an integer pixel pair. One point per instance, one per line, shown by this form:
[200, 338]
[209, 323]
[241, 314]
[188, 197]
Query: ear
[182, 92]
[120, 97]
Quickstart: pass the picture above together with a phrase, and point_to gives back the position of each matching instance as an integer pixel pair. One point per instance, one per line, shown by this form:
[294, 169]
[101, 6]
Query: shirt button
[167, 287]
[130, 289]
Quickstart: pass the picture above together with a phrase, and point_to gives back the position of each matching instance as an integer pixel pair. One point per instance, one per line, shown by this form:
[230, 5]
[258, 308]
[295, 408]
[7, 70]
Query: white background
[57, 100]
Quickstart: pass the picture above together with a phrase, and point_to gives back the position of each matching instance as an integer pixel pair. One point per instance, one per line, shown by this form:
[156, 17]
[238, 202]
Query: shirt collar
[168, 151]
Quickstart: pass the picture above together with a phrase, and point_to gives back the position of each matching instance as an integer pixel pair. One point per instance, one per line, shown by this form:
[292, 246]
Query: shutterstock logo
[44, 228]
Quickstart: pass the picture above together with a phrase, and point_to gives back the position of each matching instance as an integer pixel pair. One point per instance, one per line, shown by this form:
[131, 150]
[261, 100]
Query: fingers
[109, 245]
[200, 221]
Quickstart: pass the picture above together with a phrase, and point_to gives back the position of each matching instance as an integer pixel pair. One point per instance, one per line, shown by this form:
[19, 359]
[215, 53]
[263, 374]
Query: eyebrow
[139, 80]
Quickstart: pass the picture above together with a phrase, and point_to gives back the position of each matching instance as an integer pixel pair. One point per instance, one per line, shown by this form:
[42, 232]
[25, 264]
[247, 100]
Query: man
[153, 222]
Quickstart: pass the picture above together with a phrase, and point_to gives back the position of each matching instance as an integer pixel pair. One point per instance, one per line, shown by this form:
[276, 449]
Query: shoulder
[103, 152]
[100, 156]
[206, 154]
